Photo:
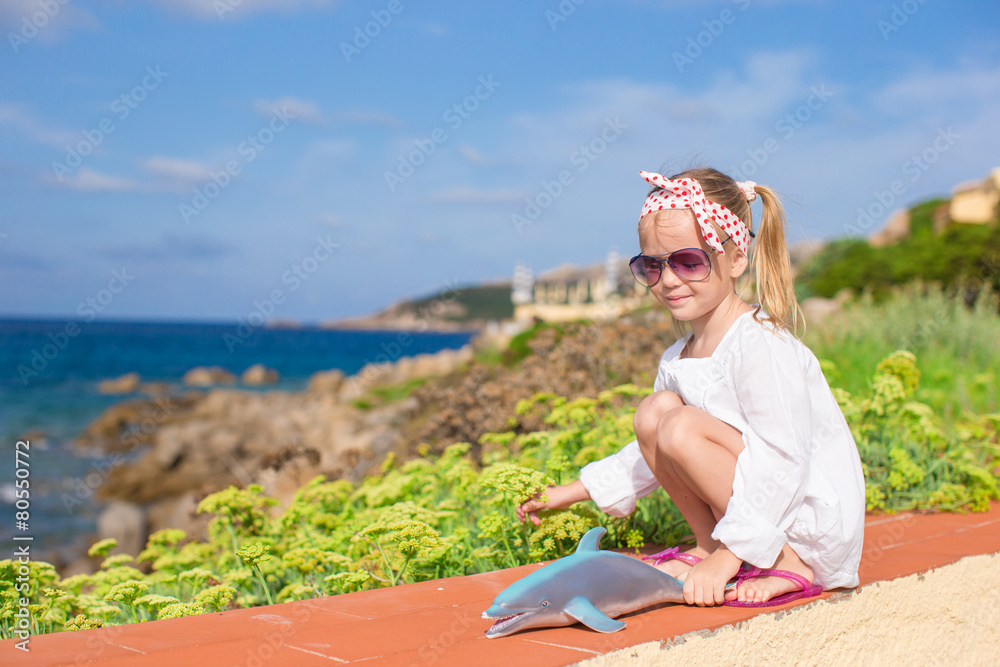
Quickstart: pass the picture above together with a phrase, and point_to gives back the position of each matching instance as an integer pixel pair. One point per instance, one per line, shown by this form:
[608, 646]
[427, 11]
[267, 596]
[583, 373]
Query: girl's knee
[659, 402]
[676, 430]
[650, 411]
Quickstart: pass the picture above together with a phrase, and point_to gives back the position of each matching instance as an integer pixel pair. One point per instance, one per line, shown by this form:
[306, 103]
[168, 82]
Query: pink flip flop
[809, 590]
[673, 553]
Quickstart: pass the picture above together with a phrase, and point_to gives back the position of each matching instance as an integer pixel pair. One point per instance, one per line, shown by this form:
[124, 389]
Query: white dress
[798, 479]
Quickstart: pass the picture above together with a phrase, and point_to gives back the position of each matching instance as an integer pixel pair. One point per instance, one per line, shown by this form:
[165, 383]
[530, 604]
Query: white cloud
[436, 29]
[88, 180]
[330, 149]
[330, 219]
[175, 170]
[846, 143]
[170, 247]
[21, 118]
[924, 90]
[473, 155]
[768, 82]
[298, 109]
[226, 9]
[468, 195]
[363, 117]
[163, 174]
[48, 22]
[307, 111]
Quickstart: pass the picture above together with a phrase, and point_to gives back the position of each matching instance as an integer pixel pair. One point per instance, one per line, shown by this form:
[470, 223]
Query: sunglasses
[691, 264]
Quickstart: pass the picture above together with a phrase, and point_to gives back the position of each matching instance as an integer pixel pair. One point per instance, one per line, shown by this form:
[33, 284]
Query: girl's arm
[616, 482]
[559, 496]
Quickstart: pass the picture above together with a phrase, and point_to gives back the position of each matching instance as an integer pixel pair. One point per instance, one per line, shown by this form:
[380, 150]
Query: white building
[599, 291]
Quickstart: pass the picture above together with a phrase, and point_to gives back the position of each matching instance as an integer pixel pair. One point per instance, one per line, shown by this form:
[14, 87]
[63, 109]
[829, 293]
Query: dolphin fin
[584, 611]
[592, 540]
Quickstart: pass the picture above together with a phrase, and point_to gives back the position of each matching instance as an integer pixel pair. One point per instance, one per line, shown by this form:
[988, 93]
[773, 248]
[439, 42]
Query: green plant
[966, 255]
[453, 514]
[955, 345]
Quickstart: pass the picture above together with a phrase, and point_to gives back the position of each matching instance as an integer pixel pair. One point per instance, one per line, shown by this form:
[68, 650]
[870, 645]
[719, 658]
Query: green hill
[966, 254]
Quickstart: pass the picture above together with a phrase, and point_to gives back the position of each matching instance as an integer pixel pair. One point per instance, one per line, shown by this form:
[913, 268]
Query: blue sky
[197, 159]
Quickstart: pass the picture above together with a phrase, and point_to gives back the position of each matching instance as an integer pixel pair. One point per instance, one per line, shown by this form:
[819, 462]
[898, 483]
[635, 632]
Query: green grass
[519, 347]
[391, 393]
[486, 302]
[956, 346]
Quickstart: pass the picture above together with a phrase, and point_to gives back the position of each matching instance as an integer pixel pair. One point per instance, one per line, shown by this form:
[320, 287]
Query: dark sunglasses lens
[645, 269]
[691, 264]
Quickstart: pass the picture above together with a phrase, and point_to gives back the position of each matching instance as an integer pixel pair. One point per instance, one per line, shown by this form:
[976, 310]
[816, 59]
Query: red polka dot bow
[687, 193]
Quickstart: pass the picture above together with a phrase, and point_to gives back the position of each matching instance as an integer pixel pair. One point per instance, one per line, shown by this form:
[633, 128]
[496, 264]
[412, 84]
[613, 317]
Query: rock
[123, 384]
[127, 424]
[82, 565]
[370, 375]
[817, 308]
[169, 448]
[125, 522]
[107, 431]
[206, 376]
[284, 472]
[180, 512]
[894, 231]
[325, 382]
[801, 252]
[155, 388]
[259, 375]
[36, 437]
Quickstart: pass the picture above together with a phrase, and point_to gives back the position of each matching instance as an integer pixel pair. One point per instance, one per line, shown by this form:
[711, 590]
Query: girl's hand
[705, 584]
[559, 496]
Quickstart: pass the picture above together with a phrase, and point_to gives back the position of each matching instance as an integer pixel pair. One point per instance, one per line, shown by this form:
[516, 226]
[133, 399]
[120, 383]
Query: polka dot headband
[687, 193]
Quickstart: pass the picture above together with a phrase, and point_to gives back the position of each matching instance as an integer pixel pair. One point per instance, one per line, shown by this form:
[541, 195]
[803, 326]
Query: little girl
[742, 430]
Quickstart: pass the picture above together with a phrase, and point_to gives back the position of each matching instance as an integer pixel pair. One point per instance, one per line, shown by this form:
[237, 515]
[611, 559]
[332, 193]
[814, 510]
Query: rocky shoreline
[168, 451]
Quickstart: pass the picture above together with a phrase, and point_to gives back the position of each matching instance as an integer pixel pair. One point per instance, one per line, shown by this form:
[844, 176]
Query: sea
[49, 371]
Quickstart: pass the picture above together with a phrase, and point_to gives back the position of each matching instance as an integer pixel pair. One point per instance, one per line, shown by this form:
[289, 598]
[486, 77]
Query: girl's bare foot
[762, 589]
[679, 568]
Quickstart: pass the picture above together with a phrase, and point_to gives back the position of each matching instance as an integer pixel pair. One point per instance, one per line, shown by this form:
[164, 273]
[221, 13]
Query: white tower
[522, 288]
[612, 266]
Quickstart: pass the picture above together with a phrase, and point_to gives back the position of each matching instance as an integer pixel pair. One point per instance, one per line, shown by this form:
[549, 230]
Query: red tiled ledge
[438, 622]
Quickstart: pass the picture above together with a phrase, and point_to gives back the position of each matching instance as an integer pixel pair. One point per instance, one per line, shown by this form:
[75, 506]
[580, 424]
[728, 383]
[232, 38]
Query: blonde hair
[769, 257]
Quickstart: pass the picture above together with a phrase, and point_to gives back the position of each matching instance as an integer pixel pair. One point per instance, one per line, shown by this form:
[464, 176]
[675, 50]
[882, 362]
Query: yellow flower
[126, 592]
[81, 622]
[179, 609]
[103, 547]
[253, 553]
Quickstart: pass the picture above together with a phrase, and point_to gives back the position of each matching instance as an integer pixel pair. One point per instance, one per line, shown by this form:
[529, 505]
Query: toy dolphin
[589, 586]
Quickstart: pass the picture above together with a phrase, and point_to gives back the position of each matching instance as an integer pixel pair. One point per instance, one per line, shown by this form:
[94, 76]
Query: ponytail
[772, 269]
[769, 257]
